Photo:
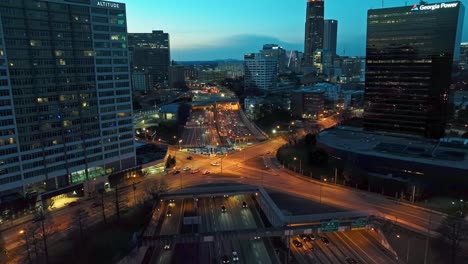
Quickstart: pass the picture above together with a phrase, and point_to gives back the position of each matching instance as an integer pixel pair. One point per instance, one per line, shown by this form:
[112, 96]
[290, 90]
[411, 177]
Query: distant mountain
[209, 62]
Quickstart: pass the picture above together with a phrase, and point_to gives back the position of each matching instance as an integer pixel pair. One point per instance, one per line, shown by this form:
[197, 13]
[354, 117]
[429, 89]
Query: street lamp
[300, 165]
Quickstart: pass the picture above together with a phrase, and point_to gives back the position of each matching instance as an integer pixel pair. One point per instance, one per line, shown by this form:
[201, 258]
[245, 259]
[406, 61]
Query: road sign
[331, 226]
[360, 223]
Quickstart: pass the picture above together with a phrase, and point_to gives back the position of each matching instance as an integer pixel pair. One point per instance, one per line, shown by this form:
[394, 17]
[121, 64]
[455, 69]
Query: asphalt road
[362, 246]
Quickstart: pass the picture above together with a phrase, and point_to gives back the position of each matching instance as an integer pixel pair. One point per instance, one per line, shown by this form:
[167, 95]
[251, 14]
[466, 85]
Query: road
[279, 179]
[361, 246]
[236, 170]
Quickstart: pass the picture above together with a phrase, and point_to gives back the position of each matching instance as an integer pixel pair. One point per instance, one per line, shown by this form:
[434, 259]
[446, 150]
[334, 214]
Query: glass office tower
[65, 105]
[410, 53]
[151, 55]
[313, 29]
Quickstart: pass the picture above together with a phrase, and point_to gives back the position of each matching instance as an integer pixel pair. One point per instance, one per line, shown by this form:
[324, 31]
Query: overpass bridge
[345, 224]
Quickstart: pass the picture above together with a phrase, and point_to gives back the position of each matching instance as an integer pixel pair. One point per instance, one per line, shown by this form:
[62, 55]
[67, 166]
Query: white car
[215, 163]
[206, 172]
[167, 246]
[186, 168]
[235, 257]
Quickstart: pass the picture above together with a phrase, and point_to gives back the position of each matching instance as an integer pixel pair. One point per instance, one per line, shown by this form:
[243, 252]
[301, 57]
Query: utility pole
[427, 238]
[117, 209]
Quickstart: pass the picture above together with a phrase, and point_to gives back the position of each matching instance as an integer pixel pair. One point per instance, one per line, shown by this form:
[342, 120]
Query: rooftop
[450, 152]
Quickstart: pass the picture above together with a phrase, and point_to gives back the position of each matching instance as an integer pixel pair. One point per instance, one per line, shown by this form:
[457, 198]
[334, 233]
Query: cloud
[233, 47]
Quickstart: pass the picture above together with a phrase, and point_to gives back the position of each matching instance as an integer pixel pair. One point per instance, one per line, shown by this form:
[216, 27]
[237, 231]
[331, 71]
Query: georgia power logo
[415, 8]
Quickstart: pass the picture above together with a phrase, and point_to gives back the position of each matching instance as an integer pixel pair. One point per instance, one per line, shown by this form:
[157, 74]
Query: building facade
[150, 53]
[330, 35]
[260, 73]
[66, 108]
[276, 52]
[314, 27]
[307, 103]
[177, 76]
[410, 53]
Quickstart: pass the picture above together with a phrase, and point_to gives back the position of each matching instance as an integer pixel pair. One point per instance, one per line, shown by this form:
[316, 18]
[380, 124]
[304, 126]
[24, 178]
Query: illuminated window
[35, 43]
[58, 53]
[88, 53]
[62, 62]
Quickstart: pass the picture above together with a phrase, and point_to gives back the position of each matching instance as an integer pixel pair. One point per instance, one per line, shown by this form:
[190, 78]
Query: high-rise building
[150, 52]
[410, 54]
[330, 35]
[260, 73]
[276, 52]
[464, 54]
[313, 29]
[65, 98]
[177, 76]
[323, 61]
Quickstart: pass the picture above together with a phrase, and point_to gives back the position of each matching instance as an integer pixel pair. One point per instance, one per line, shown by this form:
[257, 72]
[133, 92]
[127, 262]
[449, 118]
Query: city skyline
[206, 32]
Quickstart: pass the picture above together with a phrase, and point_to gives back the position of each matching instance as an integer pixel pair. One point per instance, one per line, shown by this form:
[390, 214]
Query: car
[235, 257]
[312, 237]
[226, 195]
[297, 243]
[244, 205]
[206, 172]
[167, 246]
[325, 240]
[186, 169]
[305, 238]
[268, 152]
[223, 209]
[195, 171]
[256, 237]
[225, 259]
[171, 202]
[74, 203]
[190, 158]
[215, 163]
[176, 172]
[168, 213]
[351, 261]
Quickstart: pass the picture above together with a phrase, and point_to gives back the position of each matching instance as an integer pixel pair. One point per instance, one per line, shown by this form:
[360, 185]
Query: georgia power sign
[433, 7]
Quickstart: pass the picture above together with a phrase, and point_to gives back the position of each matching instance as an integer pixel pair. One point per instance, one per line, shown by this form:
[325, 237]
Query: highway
[362, 246]
[213, 219]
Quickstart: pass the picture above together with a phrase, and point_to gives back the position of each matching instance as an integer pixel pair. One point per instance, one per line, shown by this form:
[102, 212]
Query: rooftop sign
[107, 4]
[433, 6]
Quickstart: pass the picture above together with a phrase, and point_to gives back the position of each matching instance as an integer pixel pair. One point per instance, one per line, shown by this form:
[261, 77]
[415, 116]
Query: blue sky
[217, 29]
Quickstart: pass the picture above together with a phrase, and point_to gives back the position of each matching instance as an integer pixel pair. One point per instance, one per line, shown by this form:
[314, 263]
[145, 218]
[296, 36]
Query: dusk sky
[216, 29]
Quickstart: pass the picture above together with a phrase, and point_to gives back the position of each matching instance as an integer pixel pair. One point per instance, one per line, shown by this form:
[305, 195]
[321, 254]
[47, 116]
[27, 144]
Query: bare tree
[39, 231]
[156, 189]
[454, 231]
[80, 216]
[117, 202]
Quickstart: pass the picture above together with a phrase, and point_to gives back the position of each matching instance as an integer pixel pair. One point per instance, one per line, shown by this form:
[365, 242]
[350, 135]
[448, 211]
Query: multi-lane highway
[342, 247]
